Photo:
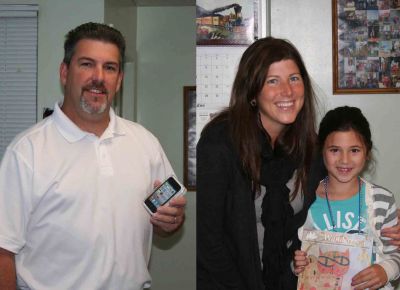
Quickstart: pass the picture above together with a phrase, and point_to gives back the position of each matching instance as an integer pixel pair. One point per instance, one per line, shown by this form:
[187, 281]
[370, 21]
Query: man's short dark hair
[94, 31]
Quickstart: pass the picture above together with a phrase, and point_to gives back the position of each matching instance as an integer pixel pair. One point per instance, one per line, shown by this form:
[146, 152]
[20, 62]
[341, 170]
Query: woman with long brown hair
[255, 175]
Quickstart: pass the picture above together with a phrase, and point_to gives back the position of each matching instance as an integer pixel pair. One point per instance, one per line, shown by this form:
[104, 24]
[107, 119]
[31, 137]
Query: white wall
[308, 25]
[166, 63]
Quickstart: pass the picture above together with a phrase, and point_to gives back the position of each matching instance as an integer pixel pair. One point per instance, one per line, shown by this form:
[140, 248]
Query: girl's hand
[300, 261]
[373, 277]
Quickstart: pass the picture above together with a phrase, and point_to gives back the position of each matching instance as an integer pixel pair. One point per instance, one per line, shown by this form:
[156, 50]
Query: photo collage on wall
[368, 44]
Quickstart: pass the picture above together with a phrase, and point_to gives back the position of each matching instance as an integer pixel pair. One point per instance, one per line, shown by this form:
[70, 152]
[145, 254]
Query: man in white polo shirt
[72, 186]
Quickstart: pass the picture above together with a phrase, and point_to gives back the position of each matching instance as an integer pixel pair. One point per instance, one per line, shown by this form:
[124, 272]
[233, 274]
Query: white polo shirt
[71, 204]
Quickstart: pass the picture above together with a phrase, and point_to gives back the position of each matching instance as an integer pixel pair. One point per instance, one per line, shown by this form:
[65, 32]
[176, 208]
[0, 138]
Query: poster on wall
[226, 22]
[334, 259]
[366, 46]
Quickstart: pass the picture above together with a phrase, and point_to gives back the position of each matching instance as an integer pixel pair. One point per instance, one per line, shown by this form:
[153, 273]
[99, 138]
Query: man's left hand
[169, 217]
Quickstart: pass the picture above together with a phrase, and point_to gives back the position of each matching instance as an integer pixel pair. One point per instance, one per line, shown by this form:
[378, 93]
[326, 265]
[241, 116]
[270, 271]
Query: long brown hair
[298, 139]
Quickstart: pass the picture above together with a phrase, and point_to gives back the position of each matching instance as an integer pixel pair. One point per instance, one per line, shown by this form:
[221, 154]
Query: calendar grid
[215, 72]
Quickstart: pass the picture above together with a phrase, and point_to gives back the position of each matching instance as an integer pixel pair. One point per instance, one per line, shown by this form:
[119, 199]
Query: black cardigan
[227, 246]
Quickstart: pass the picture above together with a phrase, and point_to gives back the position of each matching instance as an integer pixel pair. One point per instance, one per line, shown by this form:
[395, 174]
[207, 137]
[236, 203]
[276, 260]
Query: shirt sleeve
[390, 254]
[15, 203]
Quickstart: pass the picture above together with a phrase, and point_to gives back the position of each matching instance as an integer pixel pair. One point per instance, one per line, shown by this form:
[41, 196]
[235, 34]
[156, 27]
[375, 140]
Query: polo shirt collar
[72, 133]
[114, 128]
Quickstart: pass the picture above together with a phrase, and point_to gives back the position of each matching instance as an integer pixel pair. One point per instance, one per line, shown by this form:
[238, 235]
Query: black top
[227, 245]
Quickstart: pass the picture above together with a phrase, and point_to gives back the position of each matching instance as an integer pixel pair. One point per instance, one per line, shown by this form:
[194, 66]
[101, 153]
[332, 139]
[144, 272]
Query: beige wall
[56, 18]
[122, 15]
[165, 64]
[162, 55]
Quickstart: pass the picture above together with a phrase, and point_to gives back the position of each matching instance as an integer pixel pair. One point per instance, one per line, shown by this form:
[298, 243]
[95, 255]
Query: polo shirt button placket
[104, 159]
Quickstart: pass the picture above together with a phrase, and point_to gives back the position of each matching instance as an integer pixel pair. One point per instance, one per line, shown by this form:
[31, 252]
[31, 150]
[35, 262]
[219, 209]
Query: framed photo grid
[366, 46]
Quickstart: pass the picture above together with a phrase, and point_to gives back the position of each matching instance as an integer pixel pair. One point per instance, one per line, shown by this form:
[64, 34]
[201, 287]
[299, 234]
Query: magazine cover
[334, 259]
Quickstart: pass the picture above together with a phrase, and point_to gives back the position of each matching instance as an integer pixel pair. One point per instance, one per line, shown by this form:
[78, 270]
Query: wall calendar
[215, 72]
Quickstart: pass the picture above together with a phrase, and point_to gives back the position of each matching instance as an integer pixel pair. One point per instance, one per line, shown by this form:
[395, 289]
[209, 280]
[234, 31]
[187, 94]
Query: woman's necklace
[326, 179]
